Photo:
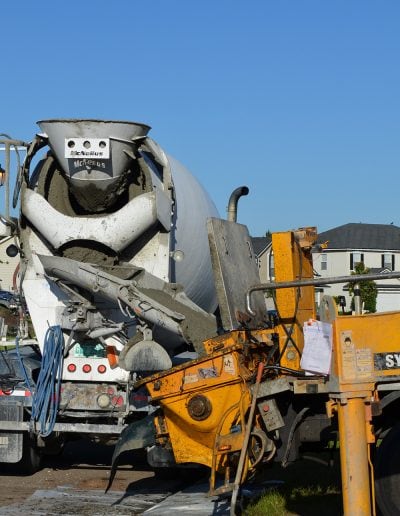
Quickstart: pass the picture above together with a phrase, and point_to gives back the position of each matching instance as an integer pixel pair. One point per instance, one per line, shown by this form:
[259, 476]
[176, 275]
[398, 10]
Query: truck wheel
[387, 474]
[31, 458]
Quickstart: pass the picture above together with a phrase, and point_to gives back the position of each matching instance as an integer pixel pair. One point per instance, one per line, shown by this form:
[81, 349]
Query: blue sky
[299, 100]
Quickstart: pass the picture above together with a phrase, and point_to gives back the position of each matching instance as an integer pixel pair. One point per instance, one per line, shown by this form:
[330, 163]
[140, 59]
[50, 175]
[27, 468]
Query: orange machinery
[231, 409]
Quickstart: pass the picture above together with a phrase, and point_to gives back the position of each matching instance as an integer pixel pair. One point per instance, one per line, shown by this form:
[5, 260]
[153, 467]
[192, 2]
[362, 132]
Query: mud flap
[136, 436]
[11, 443]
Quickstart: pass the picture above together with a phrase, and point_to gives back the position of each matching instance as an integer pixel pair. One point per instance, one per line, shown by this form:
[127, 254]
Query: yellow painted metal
[256, 338]
[360, 345]
[354, 457]
[221, 380]
[372, 482]
[293, 261]
[220, 384]
[218, 380]
[193, 441]
[359, 342]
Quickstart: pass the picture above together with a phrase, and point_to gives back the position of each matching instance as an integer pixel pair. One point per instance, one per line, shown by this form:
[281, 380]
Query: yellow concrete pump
[266, 384]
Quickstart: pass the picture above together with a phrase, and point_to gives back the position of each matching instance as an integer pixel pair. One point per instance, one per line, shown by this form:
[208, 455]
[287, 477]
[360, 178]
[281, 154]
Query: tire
[52, 446]
[31, 460]
[387, 474]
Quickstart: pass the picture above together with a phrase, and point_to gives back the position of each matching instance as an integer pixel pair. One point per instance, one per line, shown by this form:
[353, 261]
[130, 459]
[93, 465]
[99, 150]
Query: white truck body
[108, 202]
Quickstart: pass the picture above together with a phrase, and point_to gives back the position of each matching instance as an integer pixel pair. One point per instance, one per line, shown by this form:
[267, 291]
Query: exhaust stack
[233, 202]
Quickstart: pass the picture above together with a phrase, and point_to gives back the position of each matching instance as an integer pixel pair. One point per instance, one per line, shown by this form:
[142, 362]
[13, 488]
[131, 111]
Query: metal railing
[355, 278]
[8, 145]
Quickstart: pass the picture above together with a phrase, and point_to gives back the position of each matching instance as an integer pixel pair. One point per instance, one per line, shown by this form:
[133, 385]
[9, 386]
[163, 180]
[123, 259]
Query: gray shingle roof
[362, 236]
[260, 243]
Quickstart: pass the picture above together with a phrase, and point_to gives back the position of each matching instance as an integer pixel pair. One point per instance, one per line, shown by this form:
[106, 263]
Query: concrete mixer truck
[116, 276]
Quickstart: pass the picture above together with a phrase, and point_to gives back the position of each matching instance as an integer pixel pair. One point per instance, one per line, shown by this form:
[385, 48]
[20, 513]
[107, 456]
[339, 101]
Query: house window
[388, 261]
[324, 262]
[355, 258]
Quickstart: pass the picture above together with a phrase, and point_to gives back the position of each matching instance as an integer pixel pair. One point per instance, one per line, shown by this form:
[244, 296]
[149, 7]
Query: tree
[368, 289]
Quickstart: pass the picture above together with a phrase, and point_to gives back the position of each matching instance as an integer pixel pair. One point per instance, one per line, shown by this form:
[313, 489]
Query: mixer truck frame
[130, 348]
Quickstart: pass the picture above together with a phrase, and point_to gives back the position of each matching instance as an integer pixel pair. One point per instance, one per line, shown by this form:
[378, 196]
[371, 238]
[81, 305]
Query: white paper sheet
[317, 352]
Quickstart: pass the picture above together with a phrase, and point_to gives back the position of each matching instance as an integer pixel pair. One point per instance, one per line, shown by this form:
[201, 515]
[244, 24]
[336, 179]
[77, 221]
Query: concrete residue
[89, 252]
[197, 326]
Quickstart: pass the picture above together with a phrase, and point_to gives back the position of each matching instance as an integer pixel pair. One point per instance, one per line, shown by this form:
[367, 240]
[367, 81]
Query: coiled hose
[46, 399]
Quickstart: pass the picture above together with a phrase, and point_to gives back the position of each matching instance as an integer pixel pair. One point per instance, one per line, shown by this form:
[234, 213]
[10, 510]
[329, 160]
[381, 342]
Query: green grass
[309, 489]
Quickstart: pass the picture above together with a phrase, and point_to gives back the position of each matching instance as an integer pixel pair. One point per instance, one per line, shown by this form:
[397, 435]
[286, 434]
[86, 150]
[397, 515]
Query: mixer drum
[107, 194]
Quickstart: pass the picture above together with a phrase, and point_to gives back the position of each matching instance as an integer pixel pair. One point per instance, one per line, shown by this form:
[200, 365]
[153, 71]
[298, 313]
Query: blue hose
[46, 398]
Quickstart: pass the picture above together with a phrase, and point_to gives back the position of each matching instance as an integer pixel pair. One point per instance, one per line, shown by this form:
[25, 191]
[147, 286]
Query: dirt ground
[82, 465]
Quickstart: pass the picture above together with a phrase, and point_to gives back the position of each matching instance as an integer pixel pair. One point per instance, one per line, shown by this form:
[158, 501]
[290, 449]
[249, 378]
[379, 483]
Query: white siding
[388, 301]
[338, 264]
[7, 265]
[263, 266]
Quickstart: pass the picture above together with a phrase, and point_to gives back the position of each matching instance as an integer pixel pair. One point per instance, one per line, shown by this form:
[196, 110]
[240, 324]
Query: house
[336, 254]
[262, 250]
[261, 247]
[375, 245]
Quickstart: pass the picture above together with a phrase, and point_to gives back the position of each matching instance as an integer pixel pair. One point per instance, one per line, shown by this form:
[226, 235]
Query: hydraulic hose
[46, 399]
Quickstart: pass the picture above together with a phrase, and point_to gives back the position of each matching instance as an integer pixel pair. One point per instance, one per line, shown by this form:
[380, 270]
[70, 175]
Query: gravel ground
[84, 466]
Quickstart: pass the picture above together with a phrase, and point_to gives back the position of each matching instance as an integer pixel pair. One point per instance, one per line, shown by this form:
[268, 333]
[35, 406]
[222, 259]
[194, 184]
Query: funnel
[92, 155]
